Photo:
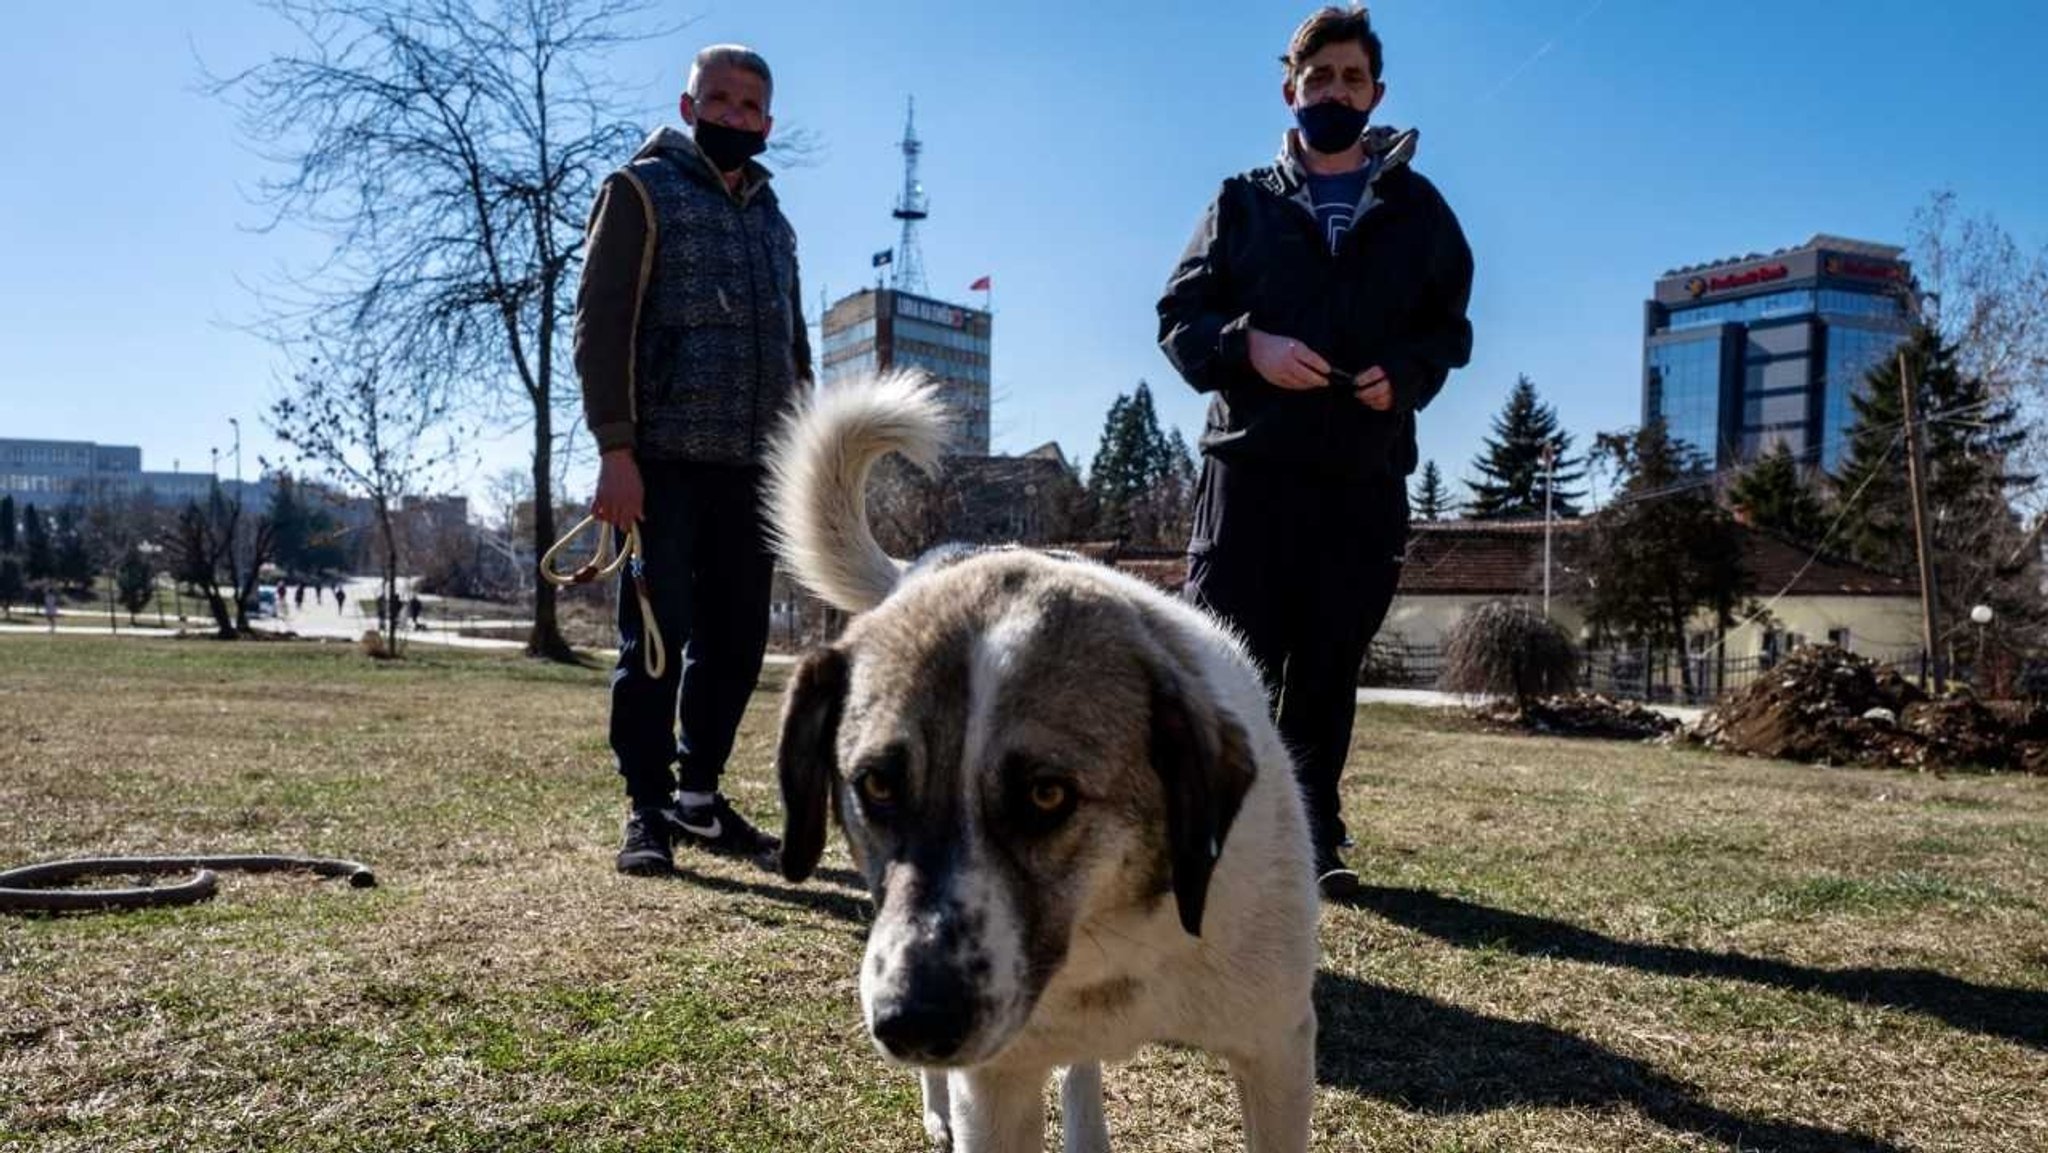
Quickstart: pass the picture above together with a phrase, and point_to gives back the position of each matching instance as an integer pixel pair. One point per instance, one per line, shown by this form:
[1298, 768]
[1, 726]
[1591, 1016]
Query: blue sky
[1587, 146]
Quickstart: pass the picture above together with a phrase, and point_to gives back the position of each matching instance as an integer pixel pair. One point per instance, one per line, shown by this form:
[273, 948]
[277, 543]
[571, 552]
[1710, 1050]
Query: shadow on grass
[1425, 1055]
[2014, 1014]
[833, 902]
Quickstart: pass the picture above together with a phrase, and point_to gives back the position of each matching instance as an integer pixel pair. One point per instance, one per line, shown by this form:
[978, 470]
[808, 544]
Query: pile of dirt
[1826, 706]
[1583, 715]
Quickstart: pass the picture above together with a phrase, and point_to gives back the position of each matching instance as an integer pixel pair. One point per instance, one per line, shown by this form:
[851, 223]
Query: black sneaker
[645, 852]
[1336, 879]
[718, 828]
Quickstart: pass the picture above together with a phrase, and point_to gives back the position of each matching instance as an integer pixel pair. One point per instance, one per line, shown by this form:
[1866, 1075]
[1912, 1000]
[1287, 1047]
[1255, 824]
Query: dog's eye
[876, 788]
[1048, 795]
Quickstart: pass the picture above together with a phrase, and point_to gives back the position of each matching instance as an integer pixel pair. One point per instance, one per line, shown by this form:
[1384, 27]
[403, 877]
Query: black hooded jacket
[1393, 295]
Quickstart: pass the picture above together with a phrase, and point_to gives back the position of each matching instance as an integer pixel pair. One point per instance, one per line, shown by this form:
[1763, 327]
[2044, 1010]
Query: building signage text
[1699, 286]
[1864, 269]
[943, 314]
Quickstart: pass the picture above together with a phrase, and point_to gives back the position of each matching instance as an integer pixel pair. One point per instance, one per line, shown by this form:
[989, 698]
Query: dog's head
[1013, 752]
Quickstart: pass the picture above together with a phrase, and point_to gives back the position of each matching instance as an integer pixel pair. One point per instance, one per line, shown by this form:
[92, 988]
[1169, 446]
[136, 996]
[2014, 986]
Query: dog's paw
[939, 1130]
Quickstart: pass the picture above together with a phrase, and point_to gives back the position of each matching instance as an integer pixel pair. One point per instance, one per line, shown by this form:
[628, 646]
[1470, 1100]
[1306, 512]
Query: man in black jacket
[1322, 304]
[690, 344]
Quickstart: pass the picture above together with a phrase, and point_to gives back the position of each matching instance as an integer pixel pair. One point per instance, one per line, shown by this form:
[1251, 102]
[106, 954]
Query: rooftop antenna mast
[907, 275]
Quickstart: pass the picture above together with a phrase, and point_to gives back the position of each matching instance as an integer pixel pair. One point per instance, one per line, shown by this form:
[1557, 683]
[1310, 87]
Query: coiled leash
[605, 561]
[24, 890]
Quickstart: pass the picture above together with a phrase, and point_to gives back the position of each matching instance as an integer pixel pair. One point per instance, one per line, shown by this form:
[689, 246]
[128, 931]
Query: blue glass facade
[1685, 389]
[1853, 350]
[1746, 356]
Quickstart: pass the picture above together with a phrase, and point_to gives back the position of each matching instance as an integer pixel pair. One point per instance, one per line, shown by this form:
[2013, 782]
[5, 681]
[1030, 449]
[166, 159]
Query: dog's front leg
[1084, 1128]
[938, 1108]
[1276, 1086]
[999, 1110]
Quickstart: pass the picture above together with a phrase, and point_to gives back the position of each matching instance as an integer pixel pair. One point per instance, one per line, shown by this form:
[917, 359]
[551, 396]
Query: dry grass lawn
[1560, 947]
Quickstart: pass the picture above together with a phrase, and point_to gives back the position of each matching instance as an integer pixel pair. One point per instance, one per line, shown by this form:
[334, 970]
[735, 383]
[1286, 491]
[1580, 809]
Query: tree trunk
[546, 638]
[224, 622]
[387, 613]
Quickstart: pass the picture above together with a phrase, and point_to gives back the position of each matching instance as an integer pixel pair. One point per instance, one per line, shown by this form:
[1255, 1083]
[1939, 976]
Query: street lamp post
[1549, 481]
[1981, 616]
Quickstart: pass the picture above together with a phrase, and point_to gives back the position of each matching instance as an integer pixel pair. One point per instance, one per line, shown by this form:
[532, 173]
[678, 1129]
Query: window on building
[1685, 390]
[1744, 311]
[1839, 637]
[1852, 352]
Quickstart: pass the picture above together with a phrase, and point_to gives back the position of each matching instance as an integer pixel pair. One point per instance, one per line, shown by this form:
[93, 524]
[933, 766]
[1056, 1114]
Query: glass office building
[51, 473]
[880, 328]
[1743, 355]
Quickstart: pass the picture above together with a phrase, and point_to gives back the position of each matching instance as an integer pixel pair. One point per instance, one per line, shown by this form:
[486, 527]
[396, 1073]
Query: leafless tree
[1988, 296]
[907, 507]
[201, 547]
[373, 432]
[452, 149]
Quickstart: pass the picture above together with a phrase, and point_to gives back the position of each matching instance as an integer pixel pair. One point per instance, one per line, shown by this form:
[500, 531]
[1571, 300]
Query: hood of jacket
[680, 147]
[1386, 150]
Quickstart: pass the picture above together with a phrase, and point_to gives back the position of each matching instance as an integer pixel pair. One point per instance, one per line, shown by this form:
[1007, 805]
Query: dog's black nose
[927, 1023]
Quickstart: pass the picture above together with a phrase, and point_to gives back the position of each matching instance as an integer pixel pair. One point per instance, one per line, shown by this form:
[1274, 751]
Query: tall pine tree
[1429, 500]
[1772, 495]
[1511, 469]
[1968, 436]
[38, 559]
[1134, 460]
[74, 567]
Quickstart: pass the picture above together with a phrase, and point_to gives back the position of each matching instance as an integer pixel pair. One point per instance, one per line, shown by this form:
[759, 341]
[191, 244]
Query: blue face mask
[1331, 126]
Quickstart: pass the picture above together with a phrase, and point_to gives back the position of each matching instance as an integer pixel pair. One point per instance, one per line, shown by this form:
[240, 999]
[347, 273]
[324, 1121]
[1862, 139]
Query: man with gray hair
[690, 344]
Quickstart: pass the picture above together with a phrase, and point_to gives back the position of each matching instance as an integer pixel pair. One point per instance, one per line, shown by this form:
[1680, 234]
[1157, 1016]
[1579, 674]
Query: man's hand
[1287, 363]
[619, 495]
[1375, 390]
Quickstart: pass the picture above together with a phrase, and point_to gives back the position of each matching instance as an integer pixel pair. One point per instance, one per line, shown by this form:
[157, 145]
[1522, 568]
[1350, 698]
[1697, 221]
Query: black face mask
[728, 148]
[1331, 126]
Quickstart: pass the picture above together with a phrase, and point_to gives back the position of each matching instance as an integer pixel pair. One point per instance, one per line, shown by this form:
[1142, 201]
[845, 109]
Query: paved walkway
[1432, 699]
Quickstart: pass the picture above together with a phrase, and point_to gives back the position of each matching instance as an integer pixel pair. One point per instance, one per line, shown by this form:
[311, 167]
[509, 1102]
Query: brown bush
[1506, 649]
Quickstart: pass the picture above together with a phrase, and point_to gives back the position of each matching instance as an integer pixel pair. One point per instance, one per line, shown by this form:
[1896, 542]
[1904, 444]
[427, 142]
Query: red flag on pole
[981, 285]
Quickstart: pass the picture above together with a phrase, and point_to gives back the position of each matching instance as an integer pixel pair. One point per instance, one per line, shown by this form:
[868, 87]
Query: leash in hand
[605, 561]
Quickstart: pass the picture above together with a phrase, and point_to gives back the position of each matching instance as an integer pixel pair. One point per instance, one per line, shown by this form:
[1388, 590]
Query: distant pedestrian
[412, 609]
[339, 597]
[50, 607]
[319, 594]
[280, 598]
[299, 598]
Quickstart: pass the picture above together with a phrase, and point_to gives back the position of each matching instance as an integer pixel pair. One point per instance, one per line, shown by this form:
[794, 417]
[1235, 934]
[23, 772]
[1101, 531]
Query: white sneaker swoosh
[710, 832]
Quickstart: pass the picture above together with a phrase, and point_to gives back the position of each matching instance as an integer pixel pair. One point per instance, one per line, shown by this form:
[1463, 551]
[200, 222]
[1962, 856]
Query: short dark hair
[1333, 25]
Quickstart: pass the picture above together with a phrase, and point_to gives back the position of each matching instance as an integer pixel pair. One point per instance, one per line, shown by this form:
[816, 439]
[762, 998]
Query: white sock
[692, 800]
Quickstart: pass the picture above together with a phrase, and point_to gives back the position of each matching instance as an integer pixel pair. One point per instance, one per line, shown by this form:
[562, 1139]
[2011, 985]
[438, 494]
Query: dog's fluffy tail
[817, 480]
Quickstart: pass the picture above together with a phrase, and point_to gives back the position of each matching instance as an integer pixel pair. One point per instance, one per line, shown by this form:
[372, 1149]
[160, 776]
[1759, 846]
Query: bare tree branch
[449, 149]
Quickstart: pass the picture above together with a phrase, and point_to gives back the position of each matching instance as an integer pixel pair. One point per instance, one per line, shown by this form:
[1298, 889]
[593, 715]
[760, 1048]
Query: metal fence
[1668, 678]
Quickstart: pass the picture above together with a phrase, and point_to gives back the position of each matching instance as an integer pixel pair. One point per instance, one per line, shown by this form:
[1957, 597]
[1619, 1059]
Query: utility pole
[1916, 479]
[235, 523]
[1549, 485]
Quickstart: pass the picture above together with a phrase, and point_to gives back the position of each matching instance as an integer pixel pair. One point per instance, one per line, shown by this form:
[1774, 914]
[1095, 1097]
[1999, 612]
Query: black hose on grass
[24, 890]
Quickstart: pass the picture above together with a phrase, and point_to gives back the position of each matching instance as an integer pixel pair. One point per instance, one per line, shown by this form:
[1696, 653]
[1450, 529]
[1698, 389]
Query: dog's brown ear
[1205, 768]
[805, 759]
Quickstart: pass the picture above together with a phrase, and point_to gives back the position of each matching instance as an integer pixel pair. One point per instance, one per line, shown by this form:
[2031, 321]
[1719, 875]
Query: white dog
[1081, 829]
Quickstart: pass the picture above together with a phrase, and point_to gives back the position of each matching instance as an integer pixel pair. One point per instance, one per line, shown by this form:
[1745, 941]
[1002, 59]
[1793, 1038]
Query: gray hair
[729, 56]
